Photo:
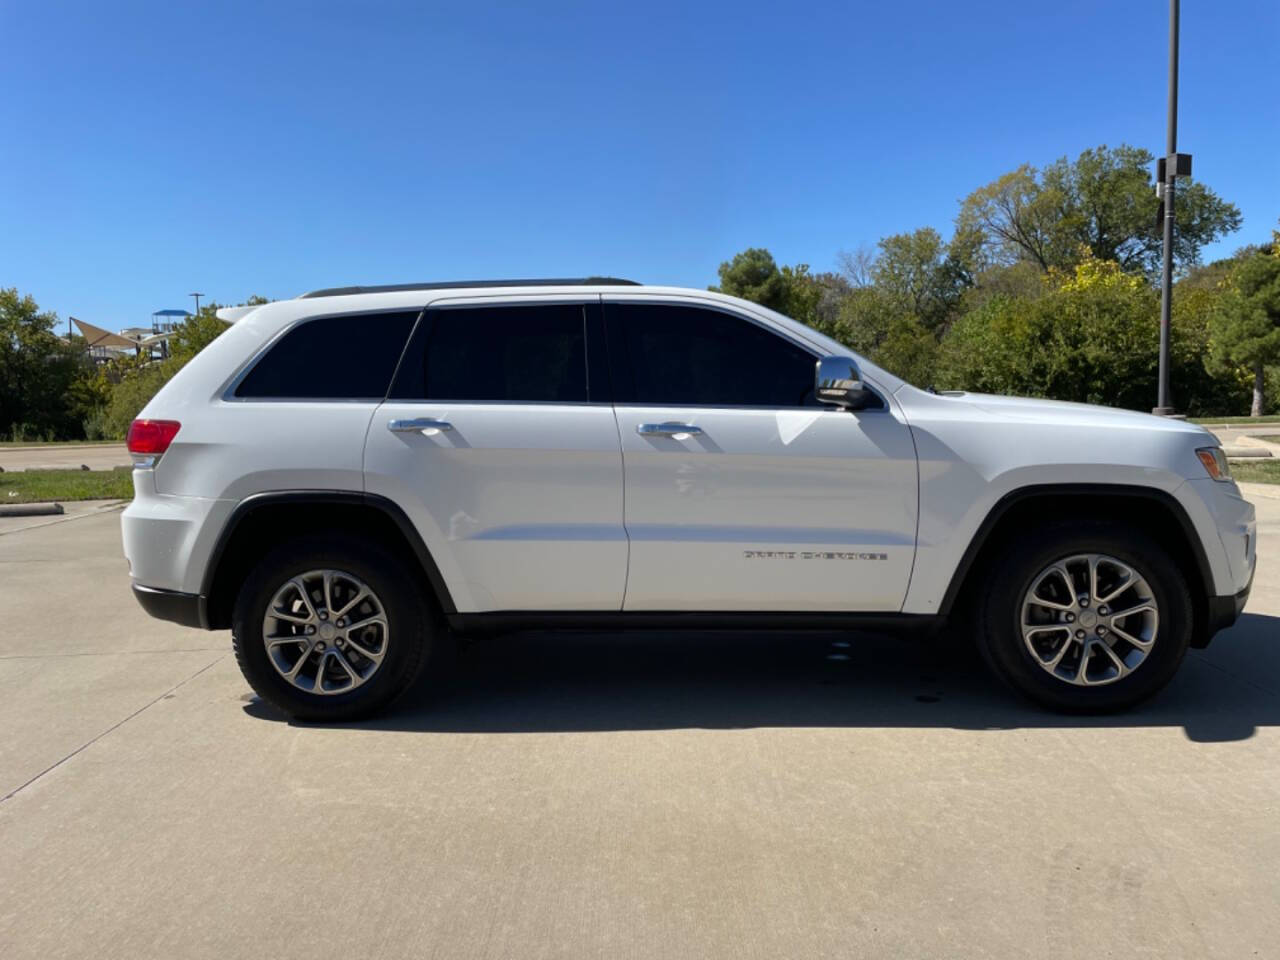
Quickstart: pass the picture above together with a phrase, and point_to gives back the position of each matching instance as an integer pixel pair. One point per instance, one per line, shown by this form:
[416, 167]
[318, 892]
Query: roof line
[462, 284]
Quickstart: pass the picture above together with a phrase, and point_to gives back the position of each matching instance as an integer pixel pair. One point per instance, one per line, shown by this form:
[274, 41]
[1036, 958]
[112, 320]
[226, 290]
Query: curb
[30, 509]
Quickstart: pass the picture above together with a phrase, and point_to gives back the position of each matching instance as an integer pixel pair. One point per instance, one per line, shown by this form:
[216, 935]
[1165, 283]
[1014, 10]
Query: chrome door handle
[668, 429]
[417, 425]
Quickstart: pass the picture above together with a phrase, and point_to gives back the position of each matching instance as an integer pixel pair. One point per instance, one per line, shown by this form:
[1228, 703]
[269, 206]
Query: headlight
[1215, 463]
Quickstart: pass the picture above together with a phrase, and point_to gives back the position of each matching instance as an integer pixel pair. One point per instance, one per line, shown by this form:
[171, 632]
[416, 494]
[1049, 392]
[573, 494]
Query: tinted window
[519, 354]
[688, 355]
[348, 358]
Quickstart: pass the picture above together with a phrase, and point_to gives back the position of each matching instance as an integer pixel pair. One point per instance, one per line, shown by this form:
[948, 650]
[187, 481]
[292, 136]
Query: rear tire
[1054, 624]
[320, 664]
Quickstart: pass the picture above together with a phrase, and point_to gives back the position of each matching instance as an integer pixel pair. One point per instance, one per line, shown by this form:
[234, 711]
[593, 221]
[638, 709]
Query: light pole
[1168, 169]
[199, 295]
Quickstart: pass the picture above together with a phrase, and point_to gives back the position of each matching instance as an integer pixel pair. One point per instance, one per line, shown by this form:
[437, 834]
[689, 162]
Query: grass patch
[1269, 437]
[43, 486]
[1256, 471]
[1232, 421]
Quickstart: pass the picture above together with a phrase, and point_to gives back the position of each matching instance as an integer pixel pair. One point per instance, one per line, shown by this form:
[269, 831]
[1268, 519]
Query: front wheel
[1087, 619]
[332, 629]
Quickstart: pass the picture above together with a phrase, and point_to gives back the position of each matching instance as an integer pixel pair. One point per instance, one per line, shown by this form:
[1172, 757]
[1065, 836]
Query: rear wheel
[1085, 619]
[332, 629]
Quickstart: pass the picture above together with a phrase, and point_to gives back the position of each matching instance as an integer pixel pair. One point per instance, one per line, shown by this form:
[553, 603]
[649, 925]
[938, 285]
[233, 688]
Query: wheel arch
[262, 520]
[1155, 512]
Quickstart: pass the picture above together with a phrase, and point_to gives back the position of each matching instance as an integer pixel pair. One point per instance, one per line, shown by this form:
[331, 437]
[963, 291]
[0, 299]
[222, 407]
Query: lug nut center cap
[327, 631]
[1088, 619]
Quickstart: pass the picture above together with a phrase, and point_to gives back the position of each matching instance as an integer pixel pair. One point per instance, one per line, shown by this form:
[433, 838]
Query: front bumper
[1222, 612]
[188, 609]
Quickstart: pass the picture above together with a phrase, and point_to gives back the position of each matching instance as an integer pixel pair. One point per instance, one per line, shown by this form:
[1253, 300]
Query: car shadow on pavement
[547, 682]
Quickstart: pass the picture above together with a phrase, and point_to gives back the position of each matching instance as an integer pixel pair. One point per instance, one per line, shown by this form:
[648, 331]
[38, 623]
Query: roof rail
[459, 284]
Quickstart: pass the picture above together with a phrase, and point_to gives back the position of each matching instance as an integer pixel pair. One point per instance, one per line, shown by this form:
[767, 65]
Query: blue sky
[153, 150]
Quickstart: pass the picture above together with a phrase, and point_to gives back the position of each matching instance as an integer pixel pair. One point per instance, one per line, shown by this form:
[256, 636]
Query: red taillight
[151, 436]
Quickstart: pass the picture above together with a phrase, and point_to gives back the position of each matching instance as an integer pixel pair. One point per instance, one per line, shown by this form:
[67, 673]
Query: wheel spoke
[1083, 666]
[365, 652]
[346, 665]
[1051, 604]
[302, 661]
[1062, 652]
[361, 594]
[298, 585]
[374, 618]
[1093, 579]
[290, 617]
[1148, 605]
[1125, 584]
[1121, 667]
[1137, 642]
[328, 590]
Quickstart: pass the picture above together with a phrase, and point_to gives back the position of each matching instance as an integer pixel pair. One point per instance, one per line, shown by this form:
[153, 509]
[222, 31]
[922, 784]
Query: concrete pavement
[637, 796]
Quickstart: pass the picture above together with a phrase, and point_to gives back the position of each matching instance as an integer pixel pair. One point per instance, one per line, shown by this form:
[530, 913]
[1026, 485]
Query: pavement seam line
[110, 653]
[116, 726]
[76, 516]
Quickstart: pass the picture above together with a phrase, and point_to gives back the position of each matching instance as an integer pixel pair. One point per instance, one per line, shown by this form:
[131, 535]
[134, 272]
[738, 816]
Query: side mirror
[839, 382]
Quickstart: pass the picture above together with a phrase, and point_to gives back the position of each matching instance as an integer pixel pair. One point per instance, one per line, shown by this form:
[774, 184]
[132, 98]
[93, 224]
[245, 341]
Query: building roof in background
[97, 337]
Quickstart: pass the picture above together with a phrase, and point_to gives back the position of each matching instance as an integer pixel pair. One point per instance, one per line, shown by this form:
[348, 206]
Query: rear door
[499, 441]
[742, 492]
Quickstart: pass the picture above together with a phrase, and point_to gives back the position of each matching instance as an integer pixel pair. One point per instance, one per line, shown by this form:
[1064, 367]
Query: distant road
[65, 456]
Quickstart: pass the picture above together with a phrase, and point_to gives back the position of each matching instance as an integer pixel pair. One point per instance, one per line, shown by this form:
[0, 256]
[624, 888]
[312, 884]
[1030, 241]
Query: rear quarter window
[349, 357]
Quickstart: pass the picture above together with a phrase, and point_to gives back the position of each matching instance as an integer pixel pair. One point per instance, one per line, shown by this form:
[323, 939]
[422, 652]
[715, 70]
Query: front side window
[680, 355]
[350, 357]
[518, 353]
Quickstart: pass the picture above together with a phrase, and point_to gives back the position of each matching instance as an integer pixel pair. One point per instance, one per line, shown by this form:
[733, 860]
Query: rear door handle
[418, 424]
[668, 429]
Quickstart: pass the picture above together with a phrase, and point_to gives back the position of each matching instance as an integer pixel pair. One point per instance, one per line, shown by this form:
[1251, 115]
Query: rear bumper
[188, 609]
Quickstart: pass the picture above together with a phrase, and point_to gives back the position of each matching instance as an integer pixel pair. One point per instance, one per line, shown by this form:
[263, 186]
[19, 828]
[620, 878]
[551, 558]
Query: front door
[502, 447]
[742, 492]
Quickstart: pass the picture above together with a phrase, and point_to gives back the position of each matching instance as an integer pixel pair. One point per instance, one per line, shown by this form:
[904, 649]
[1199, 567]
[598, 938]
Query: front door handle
[668, 429]
[418, 425]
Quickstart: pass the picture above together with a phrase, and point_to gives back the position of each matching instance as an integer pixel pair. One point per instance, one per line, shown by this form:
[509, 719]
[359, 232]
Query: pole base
[1163, 411]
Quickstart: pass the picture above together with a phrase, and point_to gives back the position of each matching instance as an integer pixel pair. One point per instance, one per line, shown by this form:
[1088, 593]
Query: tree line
[1046, 287]
[52, 389]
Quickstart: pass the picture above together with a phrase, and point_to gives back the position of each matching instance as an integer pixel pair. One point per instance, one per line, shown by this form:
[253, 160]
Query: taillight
[151, 437]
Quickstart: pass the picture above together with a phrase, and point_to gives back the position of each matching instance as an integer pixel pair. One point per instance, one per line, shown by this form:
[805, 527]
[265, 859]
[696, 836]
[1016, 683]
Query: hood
[1031, 410]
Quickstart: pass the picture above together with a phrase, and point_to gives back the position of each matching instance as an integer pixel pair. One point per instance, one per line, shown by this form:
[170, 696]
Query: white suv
[351, 479]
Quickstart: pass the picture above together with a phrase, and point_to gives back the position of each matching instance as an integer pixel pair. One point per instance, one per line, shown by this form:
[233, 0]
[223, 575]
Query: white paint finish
[168, 540]
[768, 483]
[546, 497]
[521, 505]
[974, 449]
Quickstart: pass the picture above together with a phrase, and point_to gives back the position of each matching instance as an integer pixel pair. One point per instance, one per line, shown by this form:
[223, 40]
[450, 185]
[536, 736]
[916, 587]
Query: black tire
[999, 633]
[416, 638]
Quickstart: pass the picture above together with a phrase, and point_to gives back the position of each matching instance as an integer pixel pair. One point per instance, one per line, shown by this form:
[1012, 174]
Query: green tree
[1245, 331]
[754, 275]
[37, 371]
[925, 273]
[1103, 202]
[1092, 337]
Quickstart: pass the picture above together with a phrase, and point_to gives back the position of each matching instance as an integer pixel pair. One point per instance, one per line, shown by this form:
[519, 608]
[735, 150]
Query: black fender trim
[1009, 500]
[259, 501]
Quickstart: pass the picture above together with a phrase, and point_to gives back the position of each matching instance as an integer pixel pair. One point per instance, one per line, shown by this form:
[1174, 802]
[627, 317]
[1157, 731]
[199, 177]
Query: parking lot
[618, 796]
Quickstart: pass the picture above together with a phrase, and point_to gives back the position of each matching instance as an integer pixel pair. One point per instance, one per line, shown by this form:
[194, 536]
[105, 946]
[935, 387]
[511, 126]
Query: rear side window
[519, 353]
[349, 357]
[694, 356]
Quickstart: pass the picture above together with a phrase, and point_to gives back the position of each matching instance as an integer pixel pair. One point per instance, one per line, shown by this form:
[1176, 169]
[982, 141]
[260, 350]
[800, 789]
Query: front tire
[332, 628]
[1085, 619]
